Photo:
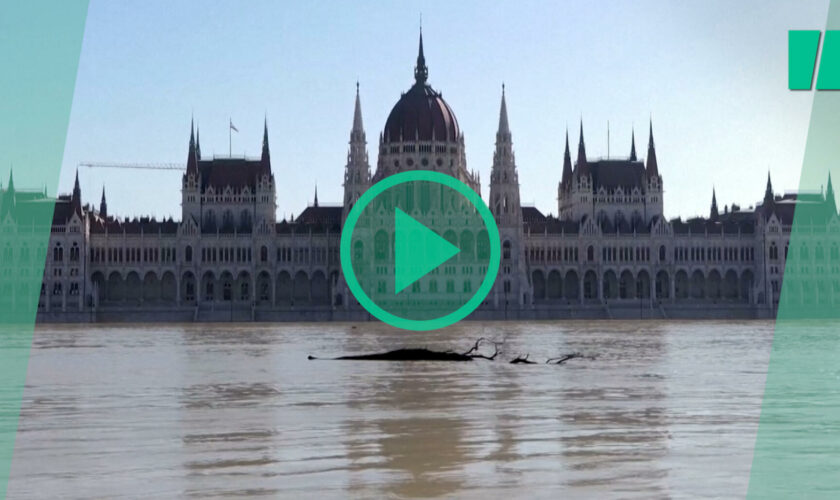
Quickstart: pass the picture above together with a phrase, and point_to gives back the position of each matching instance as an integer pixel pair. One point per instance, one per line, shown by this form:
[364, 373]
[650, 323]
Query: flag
[233, 127]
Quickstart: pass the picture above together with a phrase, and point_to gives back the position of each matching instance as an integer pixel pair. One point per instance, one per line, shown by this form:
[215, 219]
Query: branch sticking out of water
[522, 360]
[563, 359]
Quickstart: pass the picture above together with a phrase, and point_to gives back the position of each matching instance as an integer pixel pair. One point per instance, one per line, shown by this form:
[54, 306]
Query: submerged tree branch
[422, 354]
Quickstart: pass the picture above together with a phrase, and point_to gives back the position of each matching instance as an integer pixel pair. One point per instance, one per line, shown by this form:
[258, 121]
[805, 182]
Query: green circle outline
[413, 324]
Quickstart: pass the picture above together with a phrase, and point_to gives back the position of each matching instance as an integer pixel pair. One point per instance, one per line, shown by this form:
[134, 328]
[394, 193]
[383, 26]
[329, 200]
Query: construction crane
[141, 166]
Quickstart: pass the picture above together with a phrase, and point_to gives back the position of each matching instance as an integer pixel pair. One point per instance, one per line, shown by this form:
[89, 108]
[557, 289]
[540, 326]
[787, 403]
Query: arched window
[358, 251]
[58, 253]
[263, 254]
[662, 253]
[590, 253]
[774, 251]
[188, 254]
[380, 246]
[506, 250]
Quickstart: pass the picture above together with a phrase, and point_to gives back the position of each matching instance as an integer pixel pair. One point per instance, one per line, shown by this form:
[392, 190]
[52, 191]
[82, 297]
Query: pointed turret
[503, 133]
[633, 145]
[769, 199]
[103, 205]
[830, 200]
[567, 164]
[76, 198]
[421, 72]
[197, 143]
[713, 213]
[358, 130]
[8, 199]
[652, 166]
[315, 203]
[192, 158]
[581, 166]
[265, 158]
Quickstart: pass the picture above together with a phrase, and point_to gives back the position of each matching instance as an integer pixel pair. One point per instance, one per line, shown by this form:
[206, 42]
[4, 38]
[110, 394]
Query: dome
[421, 113]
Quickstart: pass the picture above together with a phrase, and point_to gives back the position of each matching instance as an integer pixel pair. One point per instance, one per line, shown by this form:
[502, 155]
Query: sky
[712, 75]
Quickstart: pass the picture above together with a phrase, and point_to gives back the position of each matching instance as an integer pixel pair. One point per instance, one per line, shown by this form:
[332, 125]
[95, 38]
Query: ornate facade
[609, 253]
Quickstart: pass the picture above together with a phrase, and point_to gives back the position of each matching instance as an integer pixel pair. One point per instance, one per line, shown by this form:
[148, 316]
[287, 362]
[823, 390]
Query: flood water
[660, 409]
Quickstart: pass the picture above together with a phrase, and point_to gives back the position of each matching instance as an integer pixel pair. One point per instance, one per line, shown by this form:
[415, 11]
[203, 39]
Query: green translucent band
[40, 42]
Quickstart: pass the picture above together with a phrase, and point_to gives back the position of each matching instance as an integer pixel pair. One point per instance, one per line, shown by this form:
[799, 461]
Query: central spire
[504, 127]
[421, 72]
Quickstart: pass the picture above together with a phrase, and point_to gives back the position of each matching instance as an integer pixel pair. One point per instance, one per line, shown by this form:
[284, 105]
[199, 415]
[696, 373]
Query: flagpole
[230, 137]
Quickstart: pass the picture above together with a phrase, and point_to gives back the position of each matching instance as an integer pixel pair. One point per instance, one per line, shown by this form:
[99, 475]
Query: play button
[420, 250]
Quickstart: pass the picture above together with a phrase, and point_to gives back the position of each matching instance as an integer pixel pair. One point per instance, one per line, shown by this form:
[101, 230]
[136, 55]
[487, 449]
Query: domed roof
[421, 113]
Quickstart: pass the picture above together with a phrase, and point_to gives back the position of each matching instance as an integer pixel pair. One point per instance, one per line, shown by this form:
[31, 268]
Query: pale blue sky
[712, 74]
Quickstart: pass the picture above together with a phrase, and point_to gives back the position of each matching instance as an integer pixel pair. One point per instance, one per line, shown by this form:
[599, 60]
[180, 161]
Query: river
[656, 409]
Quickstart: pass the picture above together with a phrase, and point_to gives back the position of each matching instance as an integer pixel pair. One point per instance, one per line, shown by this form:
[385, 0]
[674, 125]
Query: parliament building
[609, 253]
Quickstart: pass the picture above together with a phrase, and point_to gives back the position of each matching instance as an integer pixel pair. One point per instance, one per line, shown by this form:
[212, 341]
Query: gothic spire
[504, 128]
[581, 166]
[567, 163]
[421, 72]
[713, 213]
[830, 200]
[197, 143]
[652, 166]
[265, 158]
[315, 204]
[8, 199]
[633, 145]
[358, 125]
[103, 205]
[76, 198]
[192, 158]
[769, 199]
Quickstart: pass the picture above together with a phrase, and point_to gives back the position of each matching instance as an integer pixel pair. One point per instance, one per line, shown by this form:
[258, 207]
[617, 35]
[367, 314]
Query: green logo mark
[420, 250]
[803, 46]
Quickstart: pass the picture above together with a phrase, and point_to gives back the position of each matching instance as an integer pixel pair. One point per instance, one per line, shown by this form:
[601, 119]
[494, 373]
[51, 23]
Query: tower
[190, 195]
[357, 170]
[580, 189]
[565, 182]
[266, 190]
[653, 189]
[511, 288]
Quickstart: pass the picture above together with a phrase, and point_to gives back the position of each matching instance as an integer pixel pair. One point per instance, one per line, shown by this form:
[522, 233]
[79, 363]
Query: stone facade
[610, 253]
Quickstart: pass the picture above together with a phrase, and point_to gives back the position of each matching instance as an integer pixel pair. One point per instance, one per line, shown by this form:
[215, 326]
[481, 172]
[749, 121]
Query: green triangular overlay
[796, 450]
[418, 250]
